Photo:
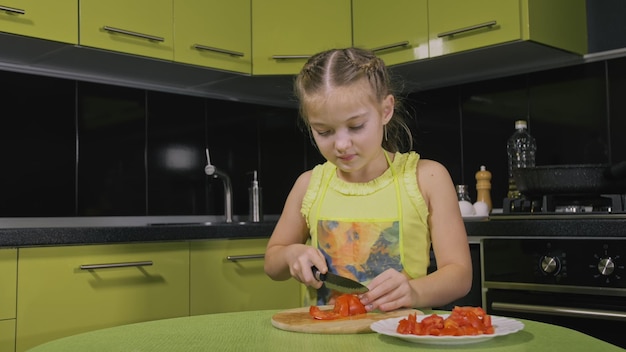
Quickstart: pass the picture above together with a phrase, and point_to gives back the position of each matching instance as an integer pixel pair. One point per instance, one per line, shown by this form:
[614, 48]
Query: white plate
[502, 326]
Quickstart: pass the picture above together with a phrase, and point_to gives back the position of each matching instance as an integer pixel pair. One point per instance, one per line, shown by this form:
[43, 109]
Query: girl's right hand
[301, 259]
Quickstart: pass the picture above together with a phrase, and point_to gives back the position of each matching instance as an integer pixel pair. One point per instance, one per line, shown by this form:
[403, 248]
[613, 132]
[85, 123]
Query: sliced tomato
[319, 314]
[345, 305]
[462, 321]
[408, 325]
[349, 304]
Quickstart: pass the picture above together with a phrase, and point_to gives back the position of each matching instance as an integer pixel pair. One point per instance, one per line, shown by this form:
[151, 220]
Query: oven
[576, 282]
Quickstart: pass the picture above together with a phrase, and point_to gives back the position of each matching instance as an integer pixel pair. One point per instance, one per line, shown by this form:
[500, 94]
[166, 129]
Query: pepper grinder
[483, 186]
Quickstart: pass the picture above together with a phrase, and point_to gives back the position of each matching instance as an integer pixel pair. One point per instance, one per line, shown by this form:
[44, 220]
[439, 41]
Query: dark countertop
[55, 236]
[610, 226]
[76, 234]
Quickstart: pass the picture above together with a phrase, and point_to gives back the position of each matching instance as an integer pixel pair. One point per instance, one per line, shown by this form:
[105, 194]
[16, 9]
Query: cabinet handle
[290, 57]
[12, 10]
[466, 29]
[391, 46]
[133, 34]
[234, 258]
[217, 50]
[114, 265]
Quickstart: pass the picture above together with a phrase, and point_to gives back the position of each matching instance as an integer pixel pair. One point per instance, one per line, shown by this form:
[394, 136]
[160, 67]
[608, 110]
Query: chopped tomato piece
[462, 321]
[345, 305]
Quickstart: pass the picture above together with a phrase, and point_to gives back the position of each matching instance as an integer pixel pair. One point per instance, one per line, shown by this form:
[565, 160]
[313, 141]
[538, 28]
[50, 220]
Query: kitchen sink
[205, 223]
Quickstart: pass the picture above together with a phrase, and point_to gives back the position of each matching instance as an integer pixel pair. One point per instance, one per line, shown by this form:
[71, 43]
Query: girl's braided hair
[342, 67]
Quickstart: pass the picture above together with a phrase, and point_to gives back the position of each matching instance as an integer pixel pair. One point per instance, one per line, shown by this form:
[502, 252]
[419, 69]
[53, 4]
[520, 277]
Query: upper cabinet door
[52, 20]
[459, 25]
[140, 27]
[285, 33]
[396, 30]
[213, 33]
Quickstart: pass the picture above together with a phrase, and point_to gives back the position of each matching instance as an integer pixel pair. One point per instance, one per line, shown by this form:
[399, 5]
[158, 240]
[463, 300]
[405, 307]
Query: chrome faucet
[211, 170]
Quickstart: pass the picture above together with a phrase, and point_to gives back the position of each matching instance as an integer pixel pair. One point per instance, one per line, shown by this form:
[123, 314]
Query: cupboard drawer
[72, 289]
[8, 282]
[228, 275]
[140, 27]
[52, 20]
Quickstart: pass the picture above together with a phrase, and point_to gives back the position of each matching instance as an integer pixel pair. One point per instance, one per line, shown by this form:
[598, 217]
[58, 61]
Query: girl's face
[347, 125]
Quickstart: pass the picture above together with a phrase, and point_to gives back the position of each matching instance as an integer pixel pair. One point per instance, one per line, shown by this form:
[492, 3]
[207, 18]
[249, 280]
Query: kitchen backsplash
[83, 149]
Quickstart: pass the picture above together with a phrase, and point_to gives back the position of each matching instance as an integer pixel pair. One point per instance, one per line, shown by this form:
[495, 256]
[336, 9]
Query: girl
[371, 212]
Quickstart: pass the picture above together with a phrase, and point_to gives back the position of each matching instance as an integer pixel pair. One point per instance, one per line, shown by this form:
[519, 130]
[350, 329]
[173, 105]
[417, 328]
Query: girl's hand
[300, 260]
[388, 291]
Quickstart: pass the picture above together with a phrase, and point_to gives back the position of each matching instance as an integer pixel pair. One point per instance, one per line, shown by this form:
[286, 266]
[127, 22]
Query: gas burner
[566, 204]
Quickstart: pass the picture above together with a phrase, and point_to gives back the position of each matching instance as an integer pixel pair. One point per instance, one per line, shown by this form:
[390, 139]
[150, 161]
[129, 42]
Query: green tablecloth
[252, 331]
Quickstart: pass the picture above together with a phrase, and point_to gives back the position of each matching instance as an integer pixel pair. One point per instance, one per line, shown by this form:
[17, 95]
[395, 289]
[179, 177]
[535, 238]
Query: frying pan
[572, 179]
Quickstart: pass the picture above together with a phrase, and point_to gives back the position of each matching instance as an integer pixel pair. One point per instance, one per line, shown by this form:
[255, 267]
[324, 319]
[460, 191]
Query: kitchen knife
[339, 283]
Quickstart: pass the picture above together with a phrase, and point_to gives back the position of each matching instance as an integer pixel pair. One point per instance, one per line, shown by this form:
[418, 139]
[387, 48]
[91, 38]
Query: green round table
[253, 331]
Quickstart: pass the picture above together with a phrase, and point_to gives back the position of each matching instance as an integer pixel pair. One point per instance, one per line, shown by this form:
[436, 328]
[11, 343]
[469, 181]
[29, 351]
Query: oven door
[596, 315]
[579, 283]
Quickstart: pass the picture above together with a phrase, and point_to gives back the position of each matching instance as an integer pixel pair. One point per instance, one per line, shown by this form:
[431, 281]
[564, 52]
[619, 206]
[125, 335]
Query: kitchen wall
[83, 149]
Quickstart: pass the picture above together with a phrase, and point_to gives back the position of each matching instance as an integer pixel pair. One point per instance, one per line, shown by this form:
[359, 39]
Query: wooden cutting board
[299, 320]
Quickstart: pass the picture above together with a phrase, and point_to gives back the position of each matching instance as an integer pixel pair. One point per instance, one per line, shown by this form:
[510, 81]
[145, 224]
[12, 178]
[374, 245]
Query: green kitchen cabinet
[71, 289]
[8, 284]
[7, 335]
[213, 33]
[139, 27]
[227, 275]
[397, 31]
[51, 20]
[287, 32]
[459, 25]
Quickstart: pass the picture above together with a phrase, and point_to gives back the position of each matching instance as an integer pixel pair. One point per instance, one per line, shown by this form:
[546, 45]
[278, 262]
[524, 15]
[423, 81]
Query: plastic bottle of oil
[521, 148]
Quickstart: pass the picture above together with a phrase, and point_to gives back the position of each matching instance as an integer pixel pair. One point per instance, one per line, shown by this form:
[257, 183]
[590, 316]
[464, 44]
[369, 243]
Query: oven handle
[563, 311]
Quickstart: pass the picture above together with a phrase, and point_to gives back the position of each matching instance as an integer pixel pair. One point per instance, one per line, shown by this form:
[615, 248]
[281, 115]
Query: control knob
[606, 266]
[549, 264]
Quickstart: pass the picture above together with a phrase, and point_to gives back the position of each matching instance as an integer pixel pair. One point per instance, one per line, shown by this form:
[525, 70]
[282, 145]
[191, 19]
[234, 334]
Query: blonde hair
[343, 67]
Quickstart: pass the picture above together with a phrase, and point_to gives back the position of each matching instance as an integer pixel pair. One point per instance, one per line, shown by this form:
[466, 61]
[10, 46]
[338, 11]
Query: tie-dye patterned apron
[359, 248]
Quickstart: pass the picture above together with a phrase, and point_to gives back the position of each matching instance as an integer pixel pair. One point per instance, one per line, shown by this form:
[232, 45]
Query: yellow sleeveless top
[364, 229]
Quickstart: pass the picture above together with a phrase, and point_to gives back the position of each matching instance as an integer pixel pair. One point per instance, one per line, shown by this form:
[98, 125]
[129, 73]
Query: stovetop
[566, 205]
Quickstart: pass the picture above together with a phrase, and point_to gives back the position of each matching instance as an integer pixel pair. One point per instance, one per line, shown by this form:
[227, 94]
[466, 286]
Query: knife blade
[339, 283]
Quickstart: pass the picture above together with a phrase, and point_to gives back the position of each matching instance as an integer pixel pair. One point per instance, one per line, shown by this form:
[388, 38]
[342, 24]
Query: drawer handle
[115, 265]
[466, 29]
[133, 34]
[217, 50]
[12, 10]
[234, 258]
[290, 57]
[391, 46]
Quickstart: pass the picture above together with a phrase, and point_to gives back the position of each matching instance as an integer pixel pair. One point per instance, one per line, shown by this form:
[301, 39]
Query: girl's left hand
[388, 291]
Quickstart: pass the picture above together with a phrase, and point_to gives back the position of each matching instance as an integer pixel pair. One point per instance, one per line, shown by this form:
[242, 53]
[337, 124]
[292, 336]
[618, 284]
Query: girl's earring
[385, 131]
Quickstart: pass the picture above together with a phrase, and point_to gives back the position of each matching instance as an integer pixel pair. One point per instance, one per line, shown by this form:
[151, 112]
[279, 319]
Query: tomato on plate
[463, 321]
[345, 305]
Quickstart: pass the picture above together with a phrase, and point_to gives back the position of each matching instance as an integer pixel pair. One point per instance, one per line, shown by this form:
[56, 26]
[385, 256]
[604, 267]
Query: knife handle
[318, 276]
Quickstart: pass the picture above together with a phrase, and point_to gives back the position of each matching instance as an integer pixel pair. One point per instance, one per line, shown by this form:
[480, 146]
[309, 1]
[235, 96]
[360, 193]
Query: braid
[342, 67]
